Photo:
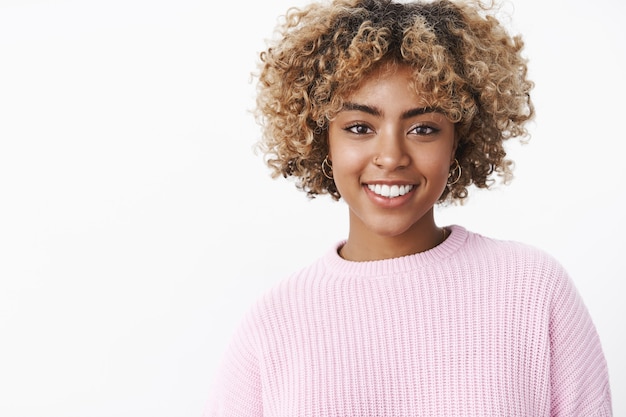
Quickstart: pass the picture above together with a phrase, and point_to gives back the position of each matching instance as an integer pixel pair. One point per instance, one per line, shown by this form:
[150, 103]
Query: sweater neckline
[335, 263]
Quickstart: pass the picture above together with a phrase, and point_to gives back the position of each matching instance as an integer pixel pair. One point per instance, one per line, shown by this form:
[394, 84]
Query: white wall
[137, 226]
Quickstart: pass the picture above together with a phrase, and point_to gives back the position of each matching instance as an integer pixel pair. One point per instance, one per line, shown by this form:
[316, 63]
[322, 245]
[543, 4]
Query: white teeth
[390, 191]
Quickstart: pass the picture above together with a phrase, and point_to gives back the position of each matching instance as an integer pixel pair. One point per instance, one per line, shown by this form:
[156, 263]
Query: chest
[399, 352]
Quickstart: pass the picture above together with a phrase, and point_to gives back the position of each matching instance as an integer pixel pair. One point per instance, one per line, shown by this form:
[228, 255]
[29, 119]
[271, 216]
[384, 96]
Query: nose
[391, 153]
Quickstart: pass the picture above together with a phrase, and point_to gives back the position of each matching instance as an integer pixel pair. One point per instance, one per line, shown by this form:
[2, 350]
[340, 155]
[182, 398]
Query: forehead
[391, 82]
[386, 83]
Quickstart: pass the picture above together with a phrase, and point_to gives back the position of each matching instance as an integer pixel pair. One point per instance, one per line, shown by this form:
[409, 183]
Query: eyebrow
[375, 111]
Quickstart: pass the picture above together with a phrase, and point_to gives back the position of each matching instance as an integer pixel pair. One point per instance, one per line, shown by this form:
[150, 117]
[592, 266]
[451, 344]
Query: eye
[423, 130]
[359, 129]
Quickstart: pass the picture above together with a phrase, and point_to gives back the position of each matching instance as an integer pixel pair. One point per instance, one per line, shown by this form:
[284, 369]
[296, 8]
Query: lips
[390, 191]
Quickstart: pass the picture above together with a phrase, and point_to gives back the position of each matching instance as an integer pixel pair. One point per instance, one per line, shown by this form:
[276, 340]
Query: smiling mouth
[389, 191]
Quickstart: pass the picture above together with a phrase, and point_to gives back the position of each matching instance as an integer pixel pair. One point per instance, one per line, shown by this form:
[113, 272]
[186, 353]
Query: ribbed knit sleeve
[473, 327]
[237, 389]
[578, 370]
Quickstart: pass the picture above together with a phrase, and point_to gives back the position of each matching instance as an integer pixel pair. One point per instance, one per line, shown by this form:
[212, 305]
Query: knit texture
[472, 327]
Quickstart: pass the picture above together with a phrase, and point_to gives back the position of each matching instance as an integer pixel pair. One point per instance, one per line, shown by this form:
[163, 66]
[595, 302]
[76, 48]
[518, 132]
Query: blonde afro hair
[465, 64]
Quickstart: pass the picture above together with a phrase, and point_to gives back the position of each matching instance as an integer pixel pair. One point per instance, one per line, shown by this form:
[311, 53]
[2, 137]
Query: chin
[388, 230]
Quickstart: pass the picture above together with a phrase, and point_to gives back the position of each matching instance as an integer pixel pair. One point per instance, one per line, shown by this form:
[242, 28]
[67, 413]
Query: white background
[137, 225]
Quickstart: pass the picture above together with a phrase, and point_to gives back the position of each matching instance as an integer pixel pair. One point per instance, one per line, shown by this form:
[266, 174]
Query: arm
[578, 372]
[237, 388]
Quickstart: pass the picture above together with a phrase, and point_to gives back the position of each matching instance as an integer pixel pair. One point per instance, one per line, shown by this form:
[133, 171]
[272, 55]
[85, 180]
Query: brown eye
[424, 130]
[359, 129]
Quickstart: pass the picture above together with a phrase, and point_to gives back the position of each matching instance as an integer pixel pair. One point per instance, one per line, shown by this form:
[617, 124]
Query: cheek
[346, 165]
[436, 163]
[335, 148]
[346, 156]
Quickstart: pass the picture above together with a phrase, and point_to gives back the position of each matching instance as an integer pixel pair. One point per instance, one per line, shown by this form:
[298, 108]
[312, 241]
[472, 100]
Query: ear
[455, 146]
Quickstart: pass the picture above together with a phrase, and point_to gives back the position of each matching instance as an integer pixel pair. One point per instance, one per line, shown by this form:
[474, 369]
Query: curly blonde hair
[465, 64]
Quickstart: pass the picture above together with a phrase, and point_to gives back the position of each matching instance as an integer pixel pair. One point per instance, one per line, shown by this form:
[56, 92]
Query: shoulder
[278, 301]
[514, 261]
[514, 253]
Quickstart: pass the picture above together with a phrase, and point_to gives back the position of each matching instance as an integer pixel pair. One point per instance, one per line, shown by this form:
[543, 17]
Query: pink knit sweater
[473, 327]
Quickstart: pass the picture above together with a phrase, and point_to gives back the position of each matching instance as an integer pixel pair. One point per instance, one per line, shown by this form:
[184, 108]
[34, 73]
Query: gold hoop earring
[455, 173]
[326, 163]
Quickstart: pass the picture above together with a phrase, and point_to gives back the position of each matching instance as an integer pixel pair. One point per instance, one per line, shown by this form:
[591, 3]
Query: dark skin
[391, 156]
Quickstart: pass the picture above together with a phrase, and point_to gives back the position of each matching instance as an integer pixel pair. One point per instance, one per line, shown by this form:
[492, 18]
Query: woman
[395, 108]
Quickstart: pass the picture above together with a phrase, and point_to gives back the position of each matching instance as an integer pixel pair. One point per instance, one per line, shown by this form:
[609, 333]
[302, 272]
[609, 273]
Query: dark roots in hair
[465, 64]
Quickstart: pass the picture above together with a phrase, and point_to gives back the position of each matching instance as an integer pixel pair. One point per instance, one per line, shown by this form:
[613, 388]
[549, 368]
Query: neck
[366, 245]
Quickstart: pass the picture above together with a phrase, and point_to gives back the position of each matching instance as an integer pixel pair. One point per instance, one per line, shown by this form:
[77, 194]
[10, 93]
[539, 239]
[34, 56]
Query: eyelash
[424, 130]
[353, 128]
[420, 128]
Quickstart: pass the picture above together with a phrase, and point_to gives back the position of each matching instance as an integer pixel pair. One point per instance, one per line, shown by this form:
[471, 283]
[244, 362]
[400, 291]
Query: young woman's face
[390, 155]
